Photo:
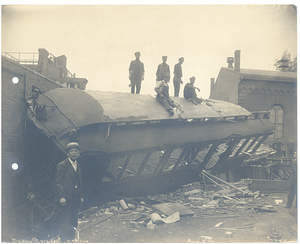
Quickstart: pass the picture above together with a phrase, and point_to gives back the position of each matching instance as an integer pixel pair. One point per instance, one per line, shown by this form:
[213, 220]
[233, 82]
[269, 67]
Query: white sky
[99, 41]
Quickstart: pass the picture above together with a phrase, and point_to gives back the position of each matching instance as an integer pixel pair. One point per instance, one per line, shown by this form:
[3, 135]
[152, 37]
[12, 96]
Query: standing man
[189, 92]
[162, 69]
[136, 73]
[69, 189]
[177, 77]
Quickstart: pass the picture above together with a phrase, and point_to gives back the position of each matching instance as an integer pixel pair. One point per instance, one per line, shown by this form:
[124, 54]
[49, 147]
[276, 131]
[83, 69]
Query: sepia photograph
[149, 123]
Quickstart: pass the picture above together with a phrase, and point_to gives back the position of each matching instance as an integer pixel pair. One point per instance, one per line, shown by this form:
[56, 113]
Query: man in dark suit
[136, 73]
[69, 189]
[177, 77]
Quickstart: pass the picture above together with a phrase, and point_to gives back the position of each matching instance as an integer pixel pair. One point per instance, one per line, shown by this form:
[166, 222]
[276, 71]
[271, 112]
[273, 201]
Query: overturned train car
[131, 146]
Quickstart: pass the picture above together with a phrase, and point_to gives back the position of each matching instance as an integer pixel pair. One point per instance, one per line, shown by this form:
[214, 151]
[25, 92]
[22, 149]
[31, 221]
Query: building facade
[262, 90]
[18, 82]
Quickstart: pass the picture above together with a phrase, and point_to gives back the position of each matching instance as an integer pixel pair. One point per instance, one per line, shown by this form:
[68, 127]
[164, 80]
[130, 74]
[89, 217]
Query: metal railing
[31, 59]
[23, 58]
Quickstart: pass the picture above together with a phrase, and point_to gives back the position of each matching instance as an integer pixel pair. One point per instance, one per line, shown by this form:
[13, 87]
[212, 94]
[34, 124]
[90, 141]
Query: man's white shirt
[74, 164]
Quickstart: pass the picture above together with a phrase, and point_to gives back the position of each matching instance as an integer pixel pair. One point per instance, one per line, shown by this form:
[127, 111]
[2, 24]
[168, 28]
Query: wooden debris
[218, 224]
[170, 208]
[224, 182]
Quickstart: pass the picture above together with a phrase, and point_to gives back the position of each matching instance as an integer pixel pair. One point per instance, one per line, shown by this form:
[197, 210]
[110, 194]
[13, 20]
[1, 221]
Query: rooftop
[267, 75]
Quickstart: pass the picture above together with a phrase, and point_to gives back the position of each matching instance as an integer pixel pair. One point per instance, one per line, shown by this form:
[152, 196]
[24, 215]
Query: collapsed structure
[112, 128]
[131, 146]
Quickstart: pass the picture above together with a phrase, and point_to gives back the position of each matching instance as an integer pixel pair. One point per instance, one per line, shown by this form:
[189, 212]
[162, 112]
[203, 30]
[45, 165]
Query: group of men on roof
[136, 76]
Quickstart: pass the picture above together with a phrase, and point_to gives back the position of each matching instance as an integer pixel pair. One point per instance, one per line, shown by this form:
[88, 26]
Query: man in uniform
[69, 190]
[162, 89]
[189, 92]
[136, 73]
[162, 69]
[177, 77]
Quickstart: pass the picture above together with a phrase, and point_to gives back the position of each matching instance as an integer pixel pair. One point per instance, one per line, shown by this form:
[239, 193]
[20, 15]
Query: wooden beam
[194, 155]
[143, 165]
[183, 153]
[259, 143]
[124, 168]
[242, 146]
[210, 153]
[252, 143]
[162, 163]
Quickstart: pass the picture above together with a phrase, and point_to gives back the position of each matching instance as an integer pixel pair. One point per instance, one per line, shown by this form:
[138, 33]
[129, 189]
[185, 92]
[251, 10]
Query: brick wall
[15, 217]
[262, 95]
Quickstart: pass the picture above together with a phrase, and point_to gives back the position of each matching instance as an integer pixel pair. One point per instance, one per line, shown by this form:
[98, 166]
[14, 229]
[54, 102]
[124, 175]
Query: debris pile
[218, 201]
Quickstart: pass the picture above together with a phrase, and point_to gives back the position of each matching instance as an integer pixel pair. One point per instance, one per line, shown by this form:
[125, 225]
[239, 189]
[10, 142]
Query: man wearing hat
[189, 92]
[162, 69]
[136, 73]
[69, 190]
[177, 77]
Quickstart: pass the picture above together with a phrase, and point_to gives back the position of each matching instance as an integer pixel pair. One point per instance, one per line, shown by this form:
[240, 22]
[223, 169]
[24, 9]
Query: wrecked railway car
[131, 146]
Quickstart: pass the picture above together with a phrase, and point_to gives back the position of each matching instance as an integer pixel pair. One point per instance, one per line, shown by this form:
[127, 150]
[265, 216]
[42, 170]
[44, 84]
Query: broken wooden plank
[226, 183]
[170, 208]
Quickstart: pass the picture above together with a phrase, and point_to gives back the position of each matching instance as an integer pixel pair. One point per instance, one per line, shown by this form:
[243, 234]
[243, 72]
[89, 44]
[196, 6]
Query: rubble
[189, 201]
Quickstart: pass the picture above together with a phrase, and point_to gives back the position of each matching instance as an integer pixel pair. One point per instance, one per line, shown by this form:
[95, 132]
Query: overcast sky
[99, 41]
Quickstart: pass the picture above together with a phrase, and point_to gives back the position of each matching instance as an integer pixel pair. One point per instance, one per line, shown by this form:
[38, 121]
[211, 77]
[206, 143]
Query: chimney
[230, 61]
[43, 60]
[284, 64]
[212, 84]
[237, 58]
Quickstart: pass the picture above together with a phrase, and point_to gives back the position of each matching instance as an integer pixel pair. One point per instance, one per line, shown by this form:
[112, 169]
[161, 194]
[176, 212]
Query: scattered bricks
[114, 208]
[107, 211]
[192, 192]
[140, 208]
[131, 206]
[196, 198]
[142, 223]
[123, 204]
[151, 226]
[228, 234]
[219, 224]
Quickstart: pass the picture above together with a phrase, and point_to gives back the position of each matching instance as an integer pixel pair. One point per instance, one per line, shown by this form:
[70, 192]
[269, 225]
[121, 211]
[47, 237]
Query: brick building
[262, 90]
[18, 80]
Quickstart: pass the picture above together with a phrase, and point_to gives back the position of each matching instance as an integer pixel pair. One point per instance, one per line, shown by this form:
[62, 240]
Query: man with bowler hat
[136, 73]
[177, 77]
[162, 69]
[69, 190]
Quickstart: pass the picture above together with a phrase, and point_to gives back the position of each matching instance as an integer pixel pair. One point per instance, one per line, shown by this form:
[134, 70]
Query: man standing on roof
[189, 92]
[136, 73]
[177, 77]
[69, 190]
[162, 89]
[162, 69]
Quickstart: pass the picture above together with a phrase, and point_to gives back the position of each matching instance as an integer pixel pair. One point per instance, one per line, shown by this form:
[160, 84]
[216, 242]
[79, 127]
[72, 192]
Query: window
[276, 116]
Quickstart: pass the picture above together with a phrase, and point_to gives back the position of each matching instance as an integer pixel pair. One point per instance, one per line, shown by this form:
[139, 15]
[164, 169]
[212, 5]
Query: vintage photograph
[149, 123]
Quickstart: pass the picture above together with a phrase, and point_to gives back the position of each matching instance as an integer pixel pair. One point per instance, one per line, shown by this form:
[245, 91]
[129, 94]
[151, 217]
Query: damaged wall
[15, 215]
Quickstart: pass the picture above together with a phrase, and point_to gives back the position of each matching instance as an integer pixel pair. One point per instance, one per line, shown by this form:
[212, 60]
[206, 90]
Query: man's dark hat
[73, 145]
[181, 58]
[193, 77]
[164, 57]
[137, 53]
